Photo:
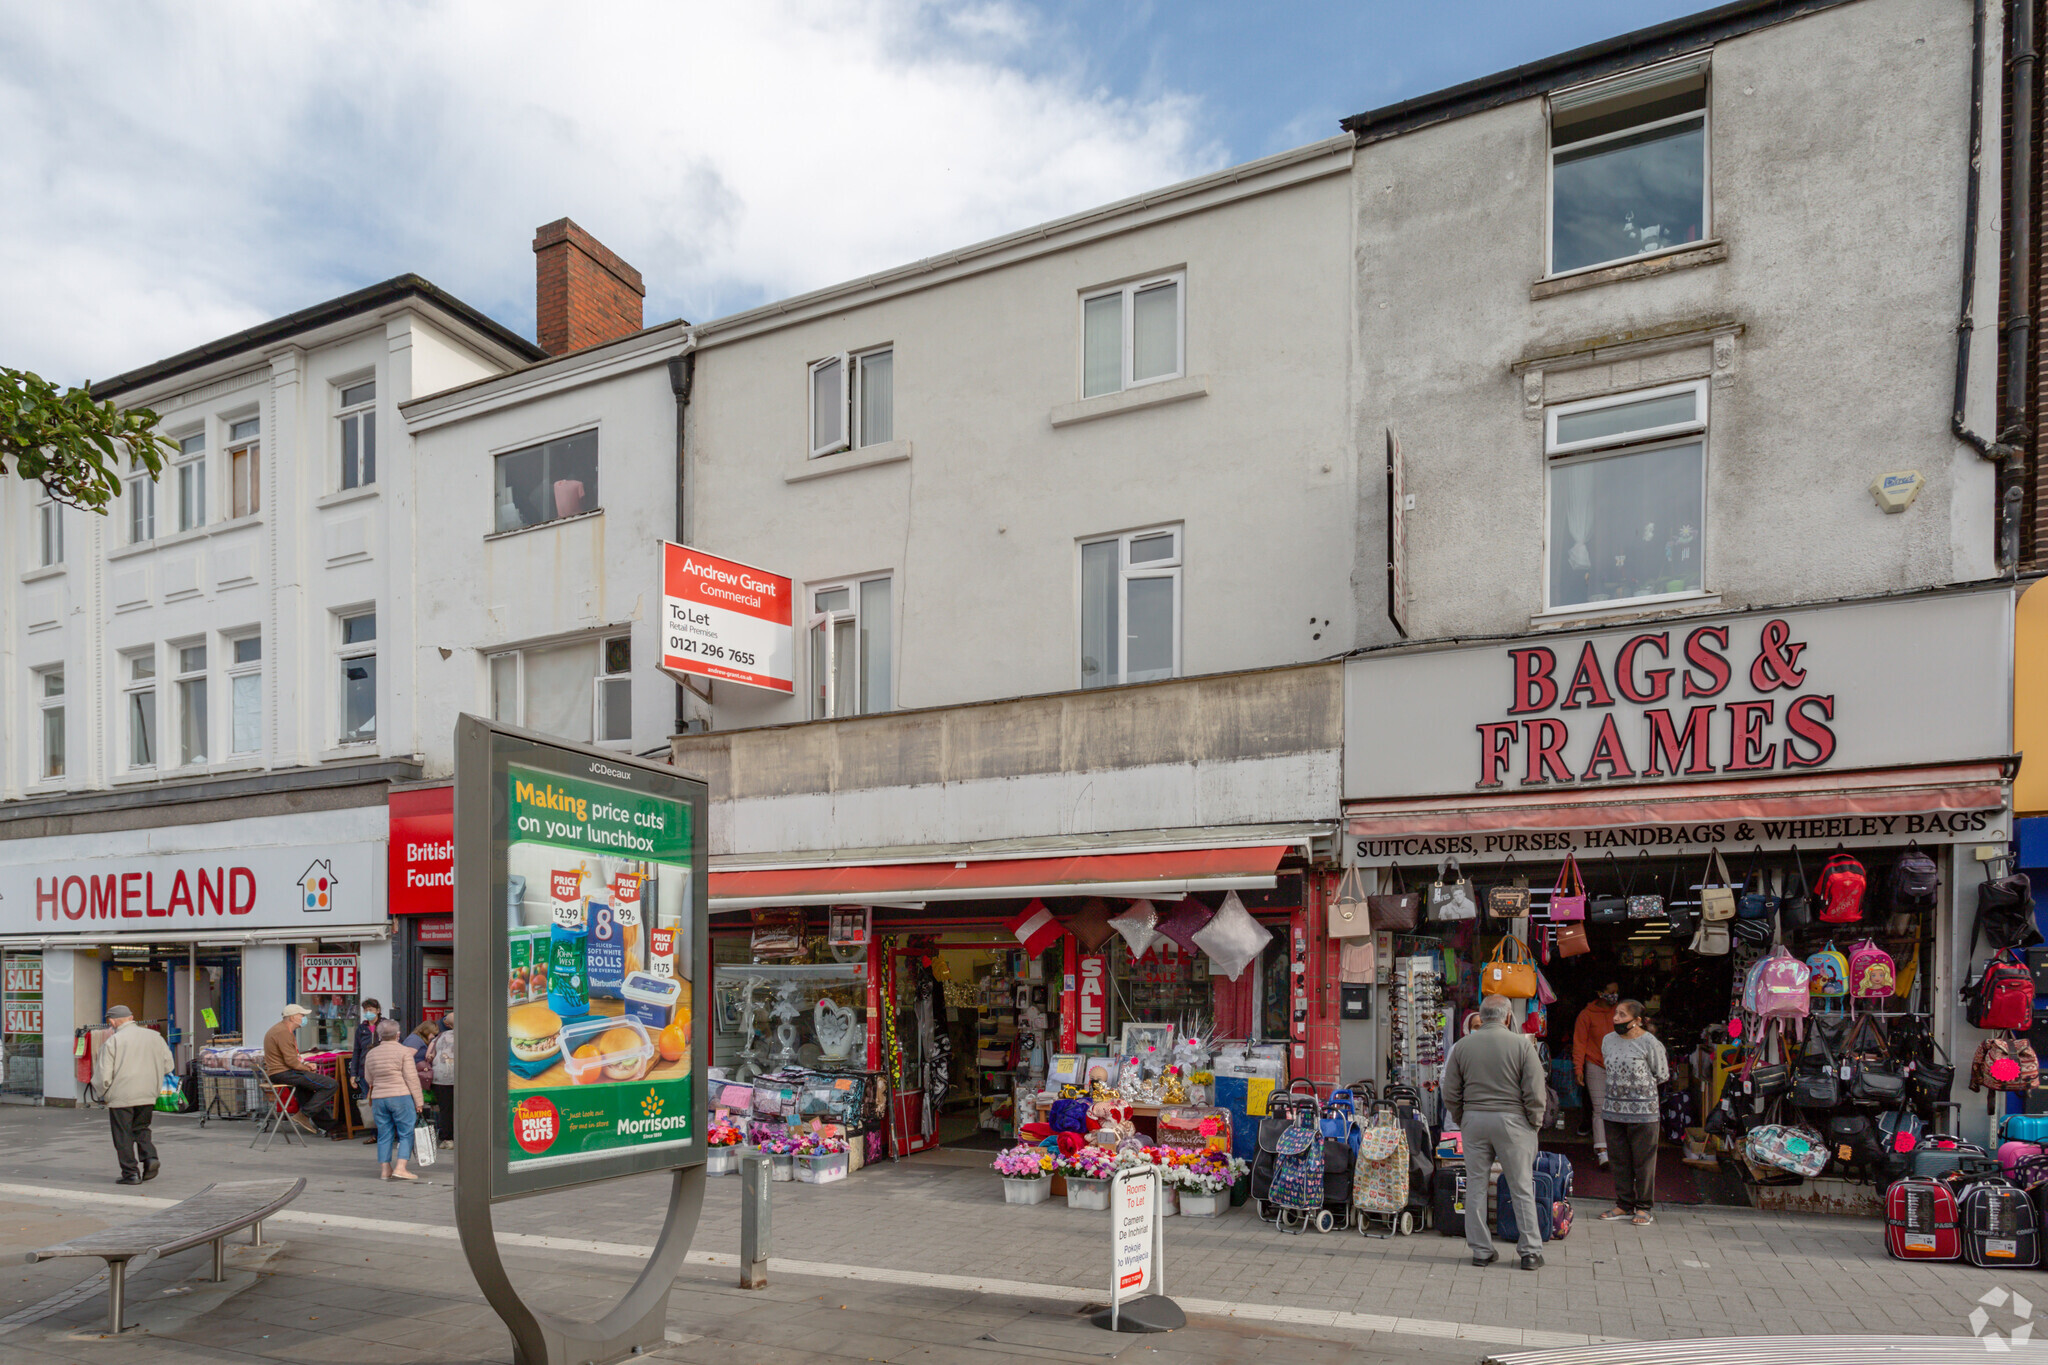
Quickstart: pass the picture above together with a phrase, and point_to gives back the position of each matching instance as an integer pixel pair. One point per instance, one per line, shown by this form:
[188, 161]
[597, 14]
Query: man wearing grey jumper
[1636, 1066]
[1493, 1087]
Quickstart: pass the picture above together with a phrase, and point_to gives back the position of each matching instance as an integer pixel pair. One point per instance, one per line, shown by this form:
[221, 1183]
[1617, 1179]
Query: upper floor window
[141, 504]
[190, 464]
[853, 401]
[1131, 335]
[547, 482]
[49, 532]
[49, 694]
[245, 472]
[359, 434]
[1627, 490]
[1628, 165]
[357, 656]
[581, 690]
[191, 699]
[139, 702]
[245, 694]
[1130, 607]
[850, 654]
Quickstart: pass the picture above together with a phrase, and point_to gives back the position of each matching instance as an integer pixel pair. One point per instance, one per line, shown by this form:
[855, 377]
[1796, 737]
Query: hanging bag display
[1875, 1079]
[1450, 895]
[1787, 1147]
[1348, 913]
[2005, 913]
[1510, 900]
[1713, 939]
[1645, 905]
[1840, 890]
[1568, 897]
[1872, 975]
[1571, 940]
[1717, 898]
[1915, 883]
[1795, 912]
[1818, 1086]
[1609, 909]
[1395, 910]
[1680, 915]
[1929, 1082]
[1509, 971]
[1757, 902]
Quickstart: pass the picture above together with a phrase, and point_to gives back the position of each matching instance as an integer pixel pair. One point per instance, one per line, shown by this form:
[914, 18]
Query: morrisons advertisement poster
[598, 1006]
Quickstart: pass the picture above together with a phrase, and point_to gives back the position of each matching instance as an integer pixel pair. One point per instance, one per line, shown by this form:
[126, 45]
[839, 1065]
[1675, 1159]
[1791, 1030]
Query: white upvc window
[1629, 159]
[245, 468]
[357, 417]
[1626, 484]
[1133, 334]
[245, 693]
[852, 400]
[189, 466]
[189, 691]
[138, 704]
[1130, 607]
[141, 504]
[356, 659]
[546, 482]
[49, 694]
[49, 532]
[580, 690]
[851, 659]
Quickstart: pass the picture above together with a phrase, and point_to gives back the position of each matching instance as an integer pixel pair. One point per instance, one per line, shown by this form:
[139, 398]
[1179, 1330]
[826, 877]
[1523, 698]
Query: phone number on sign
[683, 644]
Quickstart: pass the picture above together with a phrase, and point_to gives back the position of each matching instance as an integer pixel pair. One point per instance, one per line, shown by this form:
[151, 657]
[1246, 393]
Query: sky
[174, 173]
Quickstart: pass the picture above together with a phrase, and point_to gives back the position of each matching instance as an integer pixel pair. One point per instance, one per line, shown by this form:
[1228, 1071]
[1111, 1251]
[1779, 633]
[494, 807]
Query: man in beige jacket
[127, 1075]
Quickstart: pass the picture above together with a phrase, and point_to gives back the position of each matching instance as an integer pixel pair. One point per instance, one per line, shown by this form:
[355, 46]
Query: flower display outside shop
[1024, 1163]
[817, 1144]
[723, 1135]
[1090, 1163]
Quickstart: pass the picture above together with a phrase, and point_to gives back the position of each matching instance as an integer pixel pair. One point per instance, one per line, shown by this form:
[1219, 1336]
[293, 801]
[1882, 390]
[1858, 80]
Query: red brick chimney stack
[584, 295]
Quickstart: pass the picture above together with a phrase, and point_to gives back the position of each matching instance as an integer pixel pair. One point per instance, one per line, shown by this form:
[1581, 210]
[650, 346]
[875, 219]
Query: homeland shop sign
[319, 888]
[1863, 686]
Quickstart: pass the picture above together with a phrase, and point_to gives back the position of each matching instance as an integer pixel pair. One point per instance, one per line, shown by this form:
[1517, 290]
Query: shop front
[422, 896]
[200, 930]
[1589, 795]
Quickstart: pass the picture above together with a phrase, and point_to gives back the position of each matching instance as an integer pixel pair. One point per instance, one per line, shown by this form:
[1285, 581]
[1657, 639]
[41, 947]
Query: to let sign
[327, 974]
[727, 620]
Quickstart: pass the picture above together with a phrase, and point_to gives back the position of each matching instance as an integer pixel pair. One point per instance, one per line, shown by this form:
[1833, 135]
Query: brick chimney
[584, 295]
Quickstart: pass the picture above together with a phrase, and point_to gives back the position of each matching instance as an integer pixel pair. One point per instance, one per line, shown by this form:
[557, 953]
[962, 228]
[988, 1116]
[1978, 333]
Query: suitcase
[1558, 1165]
[2011, 1154]
[2037, 963]
[1920, 1221]
[1549, 1198]
[1447, 1200]
[1939, 1153]
[1997, 1224]
[2026, 1128]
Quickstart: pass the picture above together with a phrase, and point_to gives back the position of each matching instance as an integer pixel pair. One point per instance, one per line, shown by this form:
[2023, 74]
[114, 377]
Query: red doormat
[1593, 1188]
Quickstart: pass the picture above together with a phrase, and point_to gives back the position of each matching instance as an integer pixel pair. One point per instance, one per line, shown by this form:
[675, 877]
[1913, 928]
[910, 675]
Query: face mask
[369, 1016]
[1622, 1026]
[1609, 998]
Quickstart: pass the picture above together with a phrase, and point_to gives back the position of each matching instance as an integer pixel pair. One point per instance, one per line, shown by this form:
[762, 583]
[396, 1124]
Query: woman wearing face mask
[1636, 1066]
[1596, 1021]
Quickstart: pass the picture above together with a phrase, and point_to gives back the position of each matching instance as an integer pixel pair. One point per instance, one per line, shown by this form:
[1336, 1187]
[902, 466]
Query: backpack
[2005, 913]
[1779, 986]
[1872, 976]
[1828, 972]
[2004, 1064]
[2001, 997]
[1997, 1225]
[1915, 882]
[1840, 890]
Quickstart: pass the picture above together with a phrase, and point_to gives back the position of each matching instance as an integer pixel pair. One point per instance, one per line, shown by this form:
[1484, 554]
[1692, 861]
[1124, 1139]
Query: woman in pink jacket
[394, 1088]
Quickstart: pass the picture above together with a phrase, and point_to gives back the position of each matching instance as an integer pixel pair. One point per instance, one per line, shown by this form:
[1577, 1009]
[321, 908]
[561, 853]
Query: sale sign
[726, 620]
[24, 976]
[327, 974]
[1094, 998]
[23, 1019]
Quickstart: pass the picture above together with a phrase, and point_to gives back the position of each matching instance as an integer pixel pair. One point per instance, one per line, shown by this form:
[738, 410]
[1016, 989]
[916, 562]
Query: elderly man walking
[128, 1074]
[1493, 1088]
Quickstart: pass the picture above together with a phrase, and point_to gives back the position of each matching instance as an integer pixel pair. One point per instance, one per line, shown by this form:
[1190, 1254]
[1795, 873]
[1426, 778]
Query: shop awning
[1944, 789]
[1136, 875]
[204, 938]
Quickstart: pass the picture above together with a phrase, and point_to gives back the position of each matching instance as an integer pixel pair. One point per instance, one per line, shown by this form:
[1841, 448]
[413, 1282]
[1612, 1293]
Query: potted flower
[1026, 1172]
[780, 1149]
[1088, 1173]
[723, 1156]
[819, 1160]
[1206, 1183]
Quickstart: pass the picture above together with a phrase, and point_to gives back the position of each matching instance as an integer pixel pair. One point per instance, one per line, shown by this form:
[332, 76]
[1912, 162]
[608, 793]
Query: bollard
[754, 1238]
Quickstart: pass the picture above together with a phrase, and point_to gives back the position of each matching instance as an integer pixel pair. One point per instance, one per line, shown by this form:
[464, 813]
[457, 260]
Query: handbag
[1348, 912]
[1760, 903]
[1511, 899]
[1571, 940]
[1609, 909]
[1396, 910]
[1717, 900]
[1712, 940]
[1787, 1147]
[1509, 971]
[1649, 905]
[1450, 895]
[1929, 1082]
[1817, 1089]
[1795, 911]
[423, 1144]
[1874, 1078]
[1568, 904]
[1756, 932]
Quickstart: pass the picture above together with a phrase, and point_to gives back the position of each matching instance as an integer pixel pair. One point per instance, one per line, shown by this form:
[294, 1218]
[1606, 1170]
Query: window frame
[362, 412]
[596, 502]
[1641, 441]
[251, 446]
[131, 688]
[189, 470]
[816, 620]
[233, 671]
[1128, 329]
[1174, 567]
[852, 402]
[141, 503]
[47, 702]
[344, 654]
[857, 401]
[1642, 78]
[598, 680]
[180, 692]
[49, 531]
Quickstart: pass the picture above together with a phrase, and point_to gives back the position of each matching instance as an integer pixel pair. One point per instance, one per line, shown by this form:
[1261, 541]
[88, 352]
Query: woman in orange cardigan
[1596, 1022]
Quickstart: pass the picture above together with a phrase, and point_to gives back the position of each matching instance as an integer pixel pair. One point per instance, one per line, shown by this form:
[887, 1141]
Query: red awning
[1136, 875]
[1890, 791]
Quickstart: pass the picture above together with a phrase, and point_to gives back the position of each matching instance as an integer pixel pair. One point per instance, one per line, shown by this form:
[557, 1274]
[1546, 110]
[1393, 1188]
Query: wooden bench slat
[214, 1212]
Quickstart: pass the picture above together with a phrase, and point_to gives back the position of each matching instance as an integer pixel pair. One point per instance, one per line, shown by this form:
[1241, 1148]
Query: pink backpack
[1777, 987]
[1872, 976]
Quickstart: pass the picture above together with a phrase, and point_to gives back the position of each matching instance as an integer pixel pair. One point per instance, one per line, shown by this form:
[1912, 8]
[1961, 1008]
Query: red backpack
[1840, 890]
[2002, 996]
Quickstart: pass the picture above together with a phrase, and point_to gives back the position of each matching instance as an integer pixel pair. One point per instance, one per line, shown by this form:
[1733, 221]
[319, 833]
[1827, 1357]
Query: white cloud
[174, 174]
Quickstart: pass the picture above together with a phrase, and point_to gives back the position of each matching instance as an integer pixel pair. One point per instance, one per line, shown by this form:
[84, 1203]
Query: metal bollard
[754, 1222]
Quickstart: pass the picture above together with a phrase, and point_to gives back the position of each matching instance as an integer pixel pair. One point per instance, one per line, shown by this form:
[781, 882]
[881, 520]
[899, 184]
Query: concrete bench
[208, 1216]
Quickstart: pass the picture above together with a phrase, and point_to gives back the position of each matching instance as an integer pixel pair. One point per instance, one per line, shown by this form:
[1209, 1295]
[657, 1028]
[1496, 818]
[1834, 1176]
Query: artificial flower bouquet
[1089, 1163]
[817, 1144]
[1212, 1172]
[1024, 1163]
[724, 1135]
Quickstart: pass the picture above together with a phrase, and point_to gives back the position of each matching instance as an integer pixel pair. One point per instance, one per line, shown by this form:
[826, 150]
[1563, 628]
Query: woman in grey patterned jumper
[1636, 1066]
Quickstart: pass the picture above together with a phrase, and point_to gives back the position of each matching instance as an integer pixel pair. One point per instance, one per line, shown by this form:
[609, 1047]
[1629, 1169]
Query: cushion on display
[1090, 924]
[1232, 939]
[1184, 921]
[1035, 927]
[1139, 926]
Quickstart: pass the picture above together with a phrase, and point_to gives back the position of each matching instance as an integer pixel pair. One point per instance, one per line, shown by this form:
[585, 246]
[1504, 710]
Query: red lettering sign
[1094, 998]
[328, 974]
[422, 852]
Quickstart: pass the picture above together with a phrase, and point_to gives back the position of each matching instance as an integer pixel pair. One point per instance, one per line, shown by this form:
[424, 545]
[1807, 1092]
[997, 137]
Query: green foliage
[76, 448]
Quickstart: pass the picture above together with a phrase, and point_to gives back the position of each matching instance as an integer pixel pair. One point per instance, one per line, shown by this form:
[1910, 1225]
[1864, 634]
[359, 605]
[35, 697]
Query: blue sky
[176, 173]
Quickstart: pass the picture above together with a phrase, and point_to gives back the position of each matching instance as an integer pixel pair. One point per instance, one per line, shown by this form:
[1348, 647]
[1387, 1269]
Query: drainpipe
[2019, 318]
[682, 377]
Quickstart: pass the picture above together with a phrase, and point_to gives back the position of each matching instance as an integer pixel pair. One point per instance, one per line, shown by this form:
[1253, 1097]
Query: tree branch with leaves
[77, 448]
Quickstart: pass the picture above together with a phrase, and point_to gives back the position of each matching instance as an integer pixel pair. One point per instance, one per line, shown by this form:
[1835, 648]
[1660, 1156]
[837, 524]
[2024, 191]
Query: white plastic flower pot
[822, 1169]
[781, 1167]
[722, 1161]
[1026, 1191]
[1087, 1194]
[1169, 1201]
[1204, 1205]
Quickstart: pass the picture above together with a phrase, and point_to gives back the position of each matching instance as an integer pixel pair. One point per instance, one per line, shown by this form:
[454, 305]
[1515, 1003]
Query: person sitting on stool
[285, 1067]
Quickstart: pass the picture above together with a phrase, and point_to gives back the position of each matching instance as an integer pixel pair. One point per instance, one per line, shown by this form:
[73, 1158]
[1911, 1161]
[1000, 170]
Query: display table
[226, 1062]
